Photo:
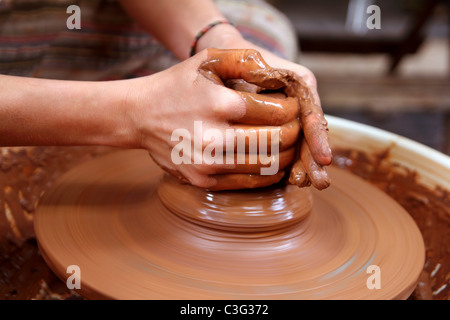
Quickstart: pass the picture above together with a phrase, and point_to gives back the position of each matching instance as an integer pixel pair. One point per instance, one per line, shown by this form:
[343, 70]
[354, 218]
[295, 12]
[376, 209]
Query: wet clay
[135, 234]
[430, 209]
[25, 174]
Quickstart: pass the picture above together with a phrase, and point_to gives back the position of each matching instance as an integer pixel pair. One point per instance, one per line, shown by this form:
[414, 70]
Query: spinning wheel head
[137, 234]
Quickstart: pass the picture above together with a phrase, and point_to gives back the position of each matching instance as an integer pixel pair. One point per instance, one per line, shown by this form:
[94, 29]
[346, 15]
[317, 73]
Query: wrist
[107, 106]
[220, 37]
[226, 36]
[139, 109]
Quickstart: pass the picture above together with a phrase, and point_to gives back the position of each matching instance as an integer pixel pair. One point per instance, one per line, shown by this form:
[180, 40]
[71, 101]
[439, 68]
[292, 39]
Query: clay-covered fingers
[315, 129]
[314, 124]
[248, 149]
[306, 170]
[298, 175]
[246, 64]
[233, 150]
[261, 109]
[255, 163]
[242, 86]
[277, 138]
[240, 138]
[293, 109]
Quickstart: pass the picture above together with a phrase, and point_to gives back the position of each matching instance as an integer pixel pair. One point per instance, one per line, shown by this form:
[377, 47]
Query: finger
[161, 161]
[315, 129]
[242, 85]
[298, 175]
[248, 64]
[317, 173]
[313, 121]
[266, 110]
[253, 136]
[254, 163]
[236, 181]
[314, 124]
[250, 139]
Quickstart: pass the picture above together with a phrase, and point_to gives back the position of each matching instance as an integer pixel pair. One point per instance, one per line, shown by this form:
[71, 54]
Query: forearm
[53, 112]
[175, 23]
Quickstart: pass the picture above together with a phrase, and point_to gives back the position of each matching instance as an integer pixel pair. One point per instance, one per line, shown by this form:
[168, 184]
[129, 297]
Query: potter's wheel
[107, 217]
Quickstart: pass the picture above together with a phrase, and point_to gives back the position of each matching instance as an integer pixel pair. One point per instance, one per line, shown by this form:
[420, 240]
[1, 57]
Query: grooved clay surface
[106, 217]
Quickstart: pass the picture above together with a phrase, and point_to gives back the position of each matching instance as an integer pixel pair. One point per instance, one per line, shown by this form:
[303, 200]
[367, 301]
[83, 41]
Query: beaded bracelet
[203, 31]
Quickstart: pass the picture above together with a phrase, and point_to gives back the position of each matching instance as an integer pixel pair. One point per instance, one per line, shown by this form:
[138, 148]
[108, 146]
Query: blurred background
[396, 78]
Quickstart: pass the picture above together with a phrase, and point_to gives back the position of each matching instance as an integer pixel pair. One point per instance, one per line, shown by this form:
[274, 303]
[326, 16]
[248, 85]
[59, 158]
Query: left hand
[315, 151]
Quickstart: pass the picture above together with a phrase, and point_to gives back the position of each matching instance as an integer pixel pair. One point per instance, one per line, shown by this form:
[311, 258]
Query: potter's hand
[315, 152]
[183, 114]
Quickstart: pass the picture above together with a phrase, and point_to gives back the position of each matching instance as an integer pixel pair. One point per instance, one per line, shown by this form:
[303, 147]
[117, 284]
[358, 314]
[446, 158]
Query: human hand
[315, 152]
[177, 99]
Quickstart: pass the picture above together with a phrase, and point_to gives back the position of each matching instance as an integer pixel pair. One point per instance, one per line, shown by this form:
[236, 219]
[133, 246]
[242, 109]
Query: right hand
[194, 90]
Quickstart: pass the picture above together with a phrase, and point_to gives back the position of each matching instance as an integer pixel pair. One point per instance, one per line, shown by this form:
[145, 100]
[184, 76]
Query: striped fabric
[35, 41]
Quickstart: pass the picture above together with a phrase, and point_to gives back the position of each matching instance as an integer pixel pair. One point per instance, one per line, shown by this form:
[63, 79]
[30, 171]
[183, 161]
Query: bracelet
[202, 33]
